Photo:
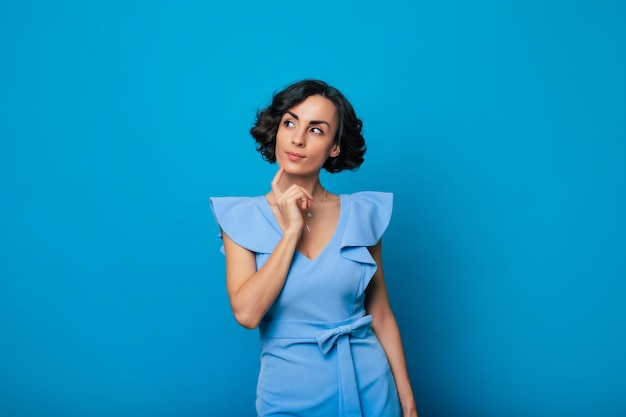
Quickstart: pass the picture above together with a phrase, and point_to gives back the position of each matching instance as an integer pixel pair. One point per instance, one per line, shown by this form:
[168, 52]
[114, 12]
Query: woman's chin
[290, 168]
[297, 168]
[300, 173]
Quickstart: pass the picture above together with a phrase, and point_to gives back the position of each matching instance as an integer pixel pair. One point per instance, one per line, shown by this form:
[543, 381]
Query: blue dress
[319, 355]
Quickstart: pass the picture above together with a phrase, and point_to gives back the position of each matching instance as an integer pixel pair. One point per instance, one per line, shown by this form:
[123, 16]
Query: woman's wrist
[407, 401]
[292, 234]
[409, 408]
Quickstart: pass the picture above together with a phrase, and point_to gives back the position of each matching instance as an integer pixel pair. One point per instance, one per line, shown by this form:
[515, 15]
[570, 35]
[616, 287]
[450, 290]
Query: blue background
[499, 125]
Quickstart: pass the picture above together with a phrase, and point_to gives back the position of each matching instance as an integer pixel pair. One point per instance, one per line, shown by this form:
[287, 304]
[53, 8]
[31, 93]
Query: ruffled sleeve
[370, 213]
[242, 219]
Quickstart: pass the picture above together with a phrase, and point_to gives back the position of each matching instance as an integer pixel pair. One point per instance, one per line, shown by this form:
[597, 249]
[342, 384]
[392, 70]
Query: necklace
[309, 213]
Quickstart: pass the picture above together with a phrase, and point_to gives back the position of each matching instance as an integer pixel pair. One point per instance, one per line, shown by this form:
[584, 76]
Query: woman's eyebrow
[312, 122]
[319, 122]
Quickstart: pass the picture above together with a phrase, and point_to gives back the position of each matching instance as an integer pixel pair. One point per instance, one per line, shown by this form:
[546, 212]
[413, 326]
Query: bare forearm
[254, 297]
[389, 335]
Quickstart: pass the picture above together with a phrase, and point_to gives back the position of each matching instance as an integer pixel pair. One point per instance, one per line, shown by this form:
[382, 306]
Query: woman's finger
[299, 190]
[276, 180]
[298, 194]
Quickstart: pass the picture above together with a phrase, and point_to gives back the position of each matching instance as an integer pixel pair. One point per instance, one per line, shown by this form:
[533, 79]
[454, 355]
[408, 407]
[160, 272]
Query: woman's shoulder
[368, 218]
[371, 200]
[245, 220]
[233, 200]
[237, 210]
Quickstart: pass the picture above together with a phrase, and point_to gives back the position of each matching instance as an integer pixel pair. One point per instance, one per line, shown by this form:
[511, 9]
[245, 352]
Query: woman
[305, 267]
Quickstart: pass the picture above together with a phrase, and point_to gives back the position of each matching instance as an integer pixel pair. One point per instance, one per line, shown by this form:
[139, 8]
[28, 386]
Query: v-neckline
[269, 214]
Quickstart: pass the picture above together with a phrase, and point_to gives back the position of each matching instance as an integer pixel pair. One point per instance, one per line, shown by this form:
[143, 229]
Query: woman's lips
[294, 156]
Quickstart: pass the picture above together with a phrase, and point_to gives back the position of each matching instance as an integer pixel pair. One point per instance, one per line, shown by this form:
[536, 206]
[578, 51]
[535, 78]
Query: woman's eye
[317, 131]
[288, 123]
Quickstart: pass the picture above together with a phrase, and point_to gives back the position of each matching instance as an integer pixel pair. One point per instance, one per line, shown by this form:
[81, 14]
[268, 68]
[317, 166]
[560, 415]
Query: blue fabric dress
[319, 355]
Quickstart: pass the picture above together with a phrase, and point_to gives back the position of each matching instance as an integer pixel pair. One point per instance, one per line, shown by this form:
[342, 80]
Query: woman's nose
[298, 138]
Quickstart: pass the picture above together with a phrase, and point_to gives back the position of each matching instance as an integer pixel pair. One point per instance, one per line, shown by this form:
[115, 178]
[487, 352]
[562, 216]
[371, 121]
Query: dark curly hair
[348, 136]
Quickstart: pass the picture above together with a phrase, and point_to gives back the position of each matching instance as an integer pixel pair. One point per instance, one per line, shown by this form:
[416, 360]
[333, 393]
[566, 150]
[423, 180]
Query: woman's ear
[335, 151]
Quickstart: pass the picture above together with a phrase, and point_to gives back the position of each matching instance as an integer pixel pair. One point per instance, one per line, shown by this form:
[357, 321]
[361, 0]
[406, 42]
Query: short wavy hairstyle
[348, 136]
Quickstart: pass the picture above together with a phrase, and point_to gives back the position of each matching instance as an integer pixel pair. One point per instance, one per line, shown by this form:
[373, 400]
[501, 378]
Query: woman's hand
[290, 202]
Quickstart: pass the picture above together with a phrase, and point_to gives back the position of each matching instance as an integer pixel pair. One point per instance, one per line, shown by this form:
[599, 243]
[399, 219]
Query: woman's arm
[253, 292]
[386, 329]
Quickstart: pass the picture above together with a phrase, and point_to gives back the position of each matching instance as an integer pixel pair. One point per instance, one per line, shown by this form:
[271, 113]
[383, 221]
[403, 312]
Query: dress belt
[327, 335]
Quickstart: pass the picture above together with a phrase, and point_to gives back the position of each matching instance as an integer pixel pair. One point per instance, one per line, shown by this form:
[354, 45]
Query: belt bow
[340, 336]
[326, 339]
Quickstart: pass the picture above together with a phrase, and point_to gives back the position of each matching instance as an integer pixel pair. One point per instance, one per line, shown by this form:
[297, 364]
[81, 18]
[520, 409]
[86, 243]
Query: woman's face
[305, 137]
